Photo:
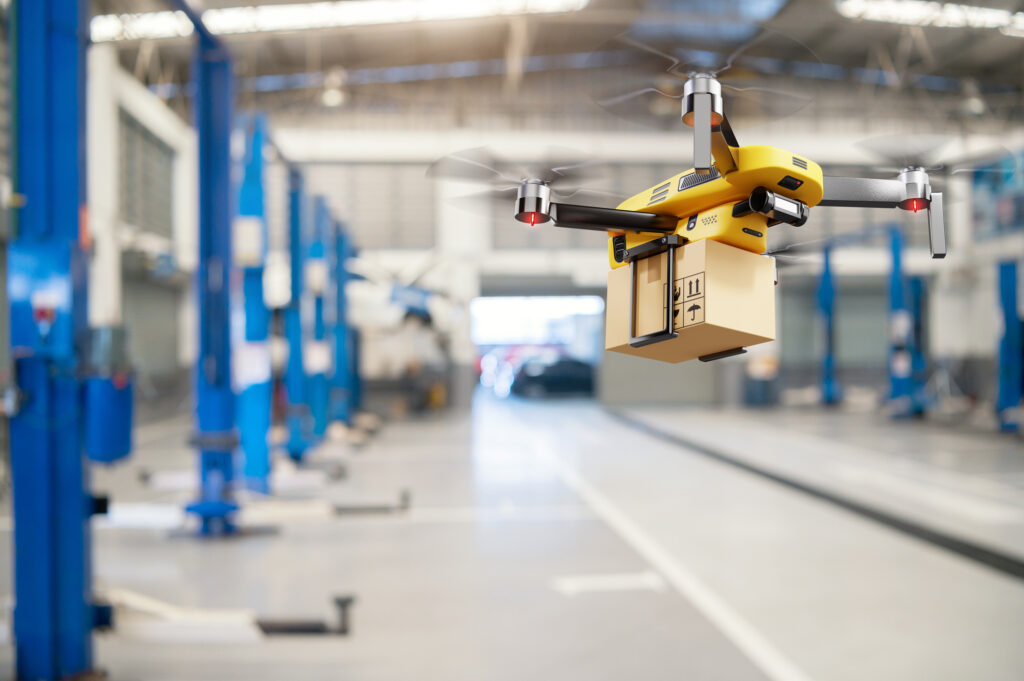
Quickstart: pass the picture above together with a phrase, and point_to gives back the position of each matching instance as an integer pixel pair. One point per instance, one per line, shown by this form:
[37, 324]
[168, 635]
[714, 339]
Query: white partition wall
[141, 215]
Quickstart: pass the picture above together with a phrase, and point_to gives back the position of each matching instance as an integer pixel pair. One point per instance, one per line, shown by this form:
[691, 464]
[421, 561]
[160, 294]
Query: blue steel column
[53, 616]
[319, 356]
[901, 326]
[254, 378]
[295, 373]
[342, 377]
[831, 390]
[1010, 380]
[918, 360]
[355, 348]
[215, 408]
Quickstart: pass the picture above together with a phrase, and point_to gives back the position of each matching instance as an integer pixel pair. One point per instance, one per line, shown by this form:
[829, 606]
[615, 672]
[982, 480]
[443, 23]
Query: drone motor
[917, 189]
[533, 202]
[697, 87]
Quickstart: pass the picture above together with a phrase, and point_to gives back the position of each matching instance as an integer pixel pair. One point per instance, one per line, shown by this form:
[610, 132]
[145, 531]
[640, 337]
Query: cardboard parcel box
[723, 298]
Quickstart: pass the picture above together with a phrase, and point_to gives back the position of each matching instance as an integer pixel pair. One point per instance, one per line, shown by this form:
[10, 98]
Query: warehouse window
[147, 172]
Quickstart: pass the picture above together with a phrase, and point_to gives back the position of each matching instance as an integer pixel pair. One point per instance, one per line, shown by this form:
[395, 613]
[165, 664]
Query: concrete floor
[550, 541]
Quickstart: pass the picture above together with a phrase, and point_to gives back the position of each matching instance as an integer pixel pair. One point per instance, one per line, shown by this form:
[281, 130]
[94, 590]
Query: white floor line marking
[574, 585]
[740, 632]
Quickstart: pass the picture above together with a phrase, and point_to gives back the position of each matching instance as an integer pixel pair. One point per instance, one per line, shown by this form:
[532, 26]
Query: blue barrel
[108, 417]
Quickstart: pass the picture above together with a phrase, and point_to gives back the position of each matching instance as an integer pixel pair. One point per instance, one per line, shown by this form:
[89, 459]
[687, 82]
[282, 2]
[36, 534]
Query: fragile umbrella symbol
[693, 311]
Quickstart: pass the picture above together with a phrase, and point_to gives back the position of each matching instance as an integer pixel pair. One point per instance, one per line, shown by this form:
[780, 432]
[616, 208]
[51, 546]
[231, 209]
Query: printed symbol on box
[693, 286]
[693, 312]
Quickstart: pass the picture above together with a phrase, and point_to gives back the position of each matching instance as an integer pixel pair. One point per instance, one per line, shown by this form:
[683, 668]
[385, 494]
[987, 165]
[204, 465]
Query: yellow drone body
[704, 203]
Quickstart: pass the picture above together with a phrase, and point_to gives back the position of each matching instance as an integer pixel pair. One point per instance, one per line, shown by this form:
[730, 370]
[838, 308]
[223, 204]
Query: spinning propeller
[934, 154]
[539, 190]
[645, 80]
[652, 83]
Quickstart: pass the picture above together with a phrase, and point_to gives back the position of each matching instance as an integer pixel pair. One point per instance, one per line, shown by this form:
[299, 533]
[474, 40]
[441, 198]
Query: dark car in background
[539, 377]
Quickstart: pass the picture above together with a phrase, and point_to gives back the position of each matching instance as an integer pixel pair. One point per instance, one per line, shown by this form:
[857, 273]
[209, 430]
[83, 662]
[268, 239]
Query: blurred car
[540, 377]
[499, 366]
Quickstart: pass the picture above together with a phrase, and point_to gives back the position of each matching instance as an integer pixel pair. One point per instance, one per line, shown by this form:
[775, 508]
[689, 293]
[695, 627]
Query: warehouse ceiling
[278, 70]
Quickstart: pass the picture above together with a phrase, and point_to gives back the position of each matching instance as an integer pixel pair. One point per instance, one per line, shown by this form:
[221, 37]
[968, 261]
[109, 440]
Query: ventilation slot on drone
[657, 198]
[693, 179]
[800, 163]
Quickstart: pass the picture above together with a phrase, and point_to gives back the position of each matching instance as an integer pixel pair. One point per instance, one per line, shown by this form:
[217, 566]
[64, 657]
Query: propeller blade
[798, 249]
[474, 165]
[938, 154]
[901, 151]
[642, 80]
[567, 169]
[564, 170]
[482, 203]
[592, 197]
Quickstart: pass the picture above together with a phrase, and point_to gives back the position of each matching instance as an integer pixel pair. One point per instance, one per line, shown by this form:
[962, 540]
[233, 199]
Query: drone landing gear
[652, 249]
[722, 355]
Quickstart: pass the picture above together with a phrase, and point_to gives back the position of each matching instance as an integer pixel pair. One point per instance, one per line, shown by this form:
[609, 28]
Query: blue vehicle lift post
[341, 408]
[831, 389]
[74, 397]
[907, 364]
[216, 436]
[917, 292]
[298, 414]
[318, 360]
[254, 371]
[1010, 380]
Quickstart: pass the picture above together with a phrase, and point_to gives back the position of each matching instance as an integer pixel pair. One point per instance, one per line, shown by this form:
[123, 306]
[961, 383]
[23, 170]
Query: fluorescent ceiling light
[938, 14]
[315, 15]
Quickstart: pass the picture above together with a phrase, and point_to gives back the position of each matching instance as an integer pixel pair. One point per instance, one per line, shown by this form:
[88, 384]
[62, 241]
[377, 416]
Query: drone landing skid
[722, 355]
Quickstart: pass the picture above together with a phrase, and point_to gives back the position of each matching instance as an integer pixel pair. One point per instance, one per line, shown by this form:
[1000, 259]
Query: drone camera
[777, 208]
[533, 203]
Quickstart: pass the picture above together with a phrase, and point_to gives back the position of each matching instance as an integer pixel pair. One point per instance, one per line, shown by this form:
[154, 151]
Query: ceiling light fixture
[333, 95]
[937, 14]
[315, 15]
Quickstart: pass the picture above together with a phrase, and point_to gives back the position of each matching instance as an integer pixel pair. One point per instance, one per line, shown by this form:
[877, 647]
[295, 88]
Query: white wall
[111, 89]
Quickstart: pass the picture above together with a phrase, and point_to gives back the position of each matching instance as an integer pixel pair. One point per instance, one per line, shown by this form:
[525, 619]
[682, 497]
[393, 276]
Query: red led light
[916, 204]
[44, 315]
[532, 219]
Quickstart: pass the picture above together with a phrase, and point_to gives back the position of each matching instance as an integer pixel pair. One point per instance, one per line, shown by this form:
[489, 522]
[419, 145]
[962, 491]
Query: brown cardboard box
[723, 298]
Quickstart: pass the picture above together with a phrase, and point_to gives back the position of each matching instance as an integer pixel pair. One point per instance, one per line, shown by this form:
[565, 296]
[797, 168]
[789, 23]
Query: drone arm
[602, 219]
[936, 227]
[711, 143]
[862, 192]
[702, 133]
[722, 141]
[908, 193]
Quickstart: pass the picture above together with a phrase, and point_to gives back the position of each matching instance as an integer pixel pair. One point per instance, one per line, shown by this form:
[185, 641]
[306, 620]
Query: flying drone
[688, 276]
